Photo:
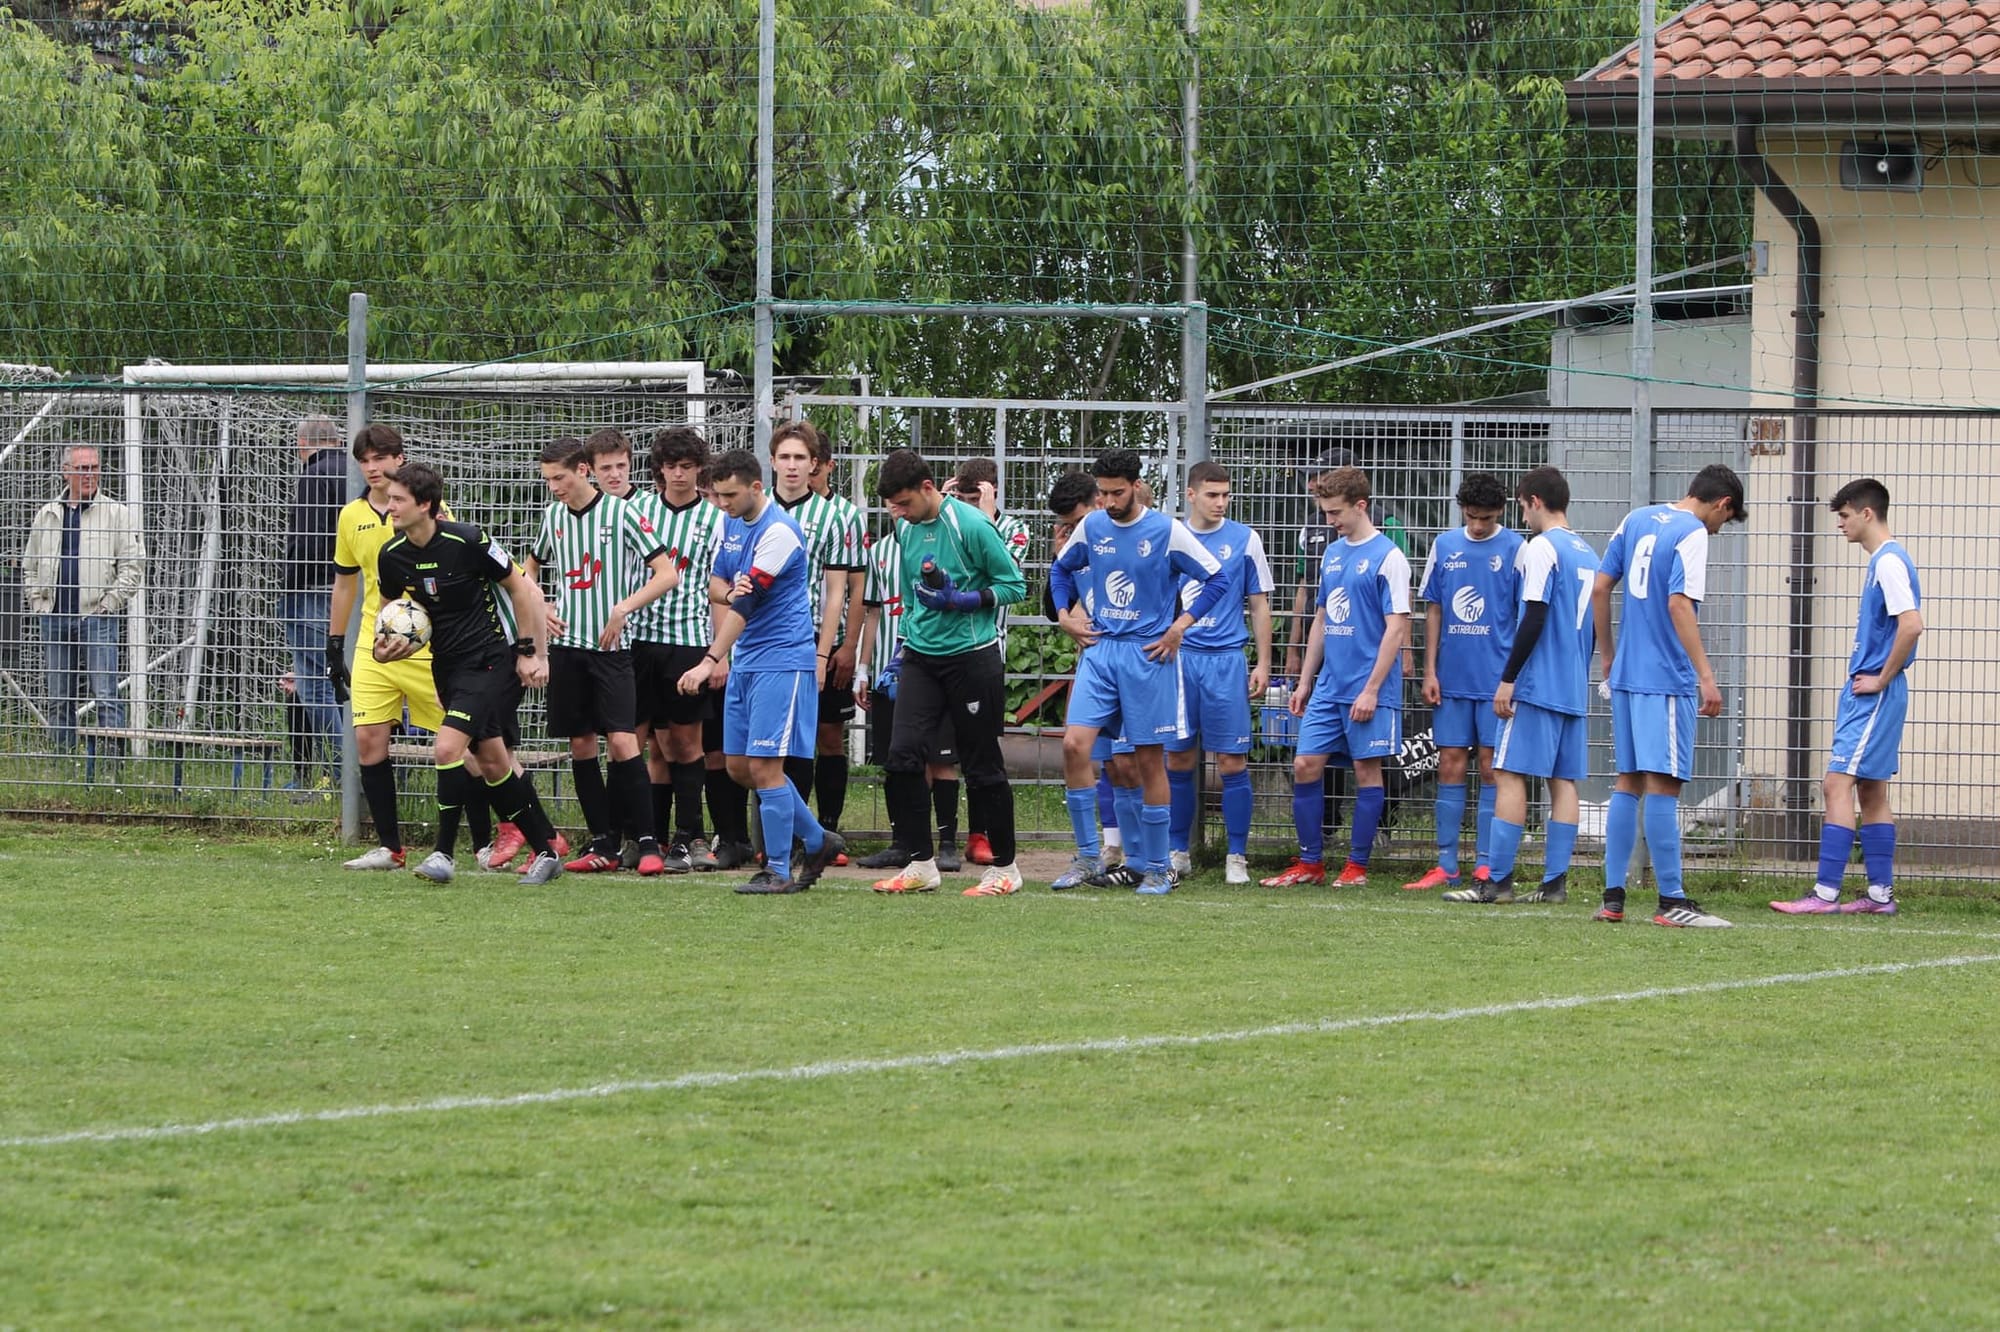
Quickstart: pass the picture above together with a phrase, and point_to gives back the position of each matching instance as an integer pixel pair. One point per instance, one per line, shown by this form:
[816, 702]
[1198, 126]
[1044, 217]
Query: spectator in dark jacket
[304, 596]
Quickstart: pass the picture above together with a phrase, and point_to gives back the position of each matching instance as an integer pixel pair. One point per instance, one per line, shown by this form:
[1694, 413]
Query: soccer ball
[406, 620]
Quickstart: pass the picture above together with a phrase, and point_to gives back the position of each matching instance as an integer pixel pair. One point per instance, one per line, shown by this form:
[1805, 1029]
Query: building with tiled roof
[1871, 133]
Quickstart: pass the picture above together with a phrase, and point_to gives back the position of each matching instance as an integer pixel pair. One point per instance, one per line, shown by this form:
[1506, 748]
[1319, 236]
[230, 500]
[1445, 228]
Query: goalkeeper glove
[336, 666]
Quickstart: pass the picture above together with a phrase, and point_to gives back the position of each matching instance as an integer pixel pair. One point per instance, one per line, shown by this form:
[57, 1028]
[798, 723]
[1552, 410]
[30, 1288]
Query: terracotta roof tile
[1821, 39]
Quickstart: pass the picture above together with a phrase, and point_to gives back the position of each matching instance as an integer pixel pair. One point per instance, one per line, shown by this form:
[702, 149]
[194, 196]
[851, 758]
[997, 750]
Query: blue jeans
[305, 617]
[73, 645]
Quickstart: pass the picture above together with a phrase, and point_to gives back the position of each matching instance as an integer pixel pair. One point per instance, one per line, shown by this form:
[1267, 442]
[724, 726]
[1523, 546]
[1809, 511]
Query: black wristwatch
[524, 647]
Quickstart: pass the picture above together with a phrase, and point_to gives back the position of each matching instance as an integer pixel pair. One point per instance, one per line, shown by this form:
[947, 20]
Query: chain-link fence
[213, 727]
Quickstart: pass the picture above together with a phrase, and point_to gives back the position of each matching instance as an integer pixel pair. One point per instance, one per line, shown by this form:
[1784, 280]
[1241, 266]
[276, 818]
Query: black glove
[336, 666]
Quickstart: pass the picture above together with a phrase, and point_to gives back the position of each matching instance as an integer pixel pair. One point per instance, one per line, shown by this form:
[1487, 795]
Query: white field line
[833, 1068]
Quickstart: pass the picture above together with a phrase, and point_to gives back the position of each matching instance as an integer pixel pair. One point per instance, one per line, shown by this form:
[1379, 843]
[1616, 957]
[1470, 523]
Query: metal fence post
[1194, 382]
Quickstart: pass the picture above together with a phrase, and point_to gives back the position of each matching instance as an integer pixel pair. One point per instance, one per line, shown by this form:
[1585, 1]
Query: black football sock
[478, 814]
[728, 807]
[378, 785]
[800, 771]
[830, 781]
[454, 788]
[632, 798]
[909, 820]
[594, 800]
[514, 799]
[944, 799]
[663, 803]
[687, 785]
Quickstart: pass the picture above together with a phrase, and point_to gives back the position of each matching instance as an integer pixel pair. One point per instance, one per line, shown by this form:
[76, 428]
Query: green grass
[1813, 1153]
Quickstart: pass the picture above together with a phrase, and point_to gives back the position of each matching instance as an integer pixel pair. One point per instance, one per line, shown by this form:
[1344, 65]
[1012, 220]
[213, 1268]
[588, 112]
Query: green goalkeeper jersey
[971, 552]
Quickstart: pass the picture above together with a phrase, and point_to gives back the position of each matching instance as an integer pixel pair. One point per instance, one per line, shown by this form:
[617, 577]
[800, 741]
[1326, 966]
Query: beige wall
[1911, 303]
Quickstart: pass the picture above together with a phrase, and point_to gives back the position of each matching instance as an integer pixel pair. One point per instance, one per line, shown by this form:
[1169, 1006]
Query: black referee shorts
[481, 701]
[590, 693]
[657, 669]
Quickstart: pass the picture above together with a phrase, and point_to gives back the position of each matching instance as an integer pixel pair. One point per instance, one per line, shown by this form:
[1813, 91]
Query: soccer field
[244, 1088]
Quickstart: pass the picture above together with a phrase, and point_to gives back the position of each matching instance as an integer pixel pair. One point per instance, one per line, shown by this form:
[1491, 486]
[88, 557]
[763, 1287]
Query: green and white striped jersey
[834, 540]
[884, 590]
[598, 556]
[1014, 532]
[682, 616]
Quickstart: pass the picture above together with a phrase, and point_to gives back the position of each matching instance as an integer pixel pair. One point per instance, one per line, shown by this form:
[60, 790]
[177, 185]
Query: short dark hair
[808, 434]
[678, 444]
[736, 465]
[566, 451]
[1205, 471]
[1070, 490]
[902, 471]
[1348, 483]
[603, 443]
[381, 439]
[1117, 464]
[974, 470]
[1482, 490]
[426, 487]
[1546, 484]
[1867, 493]
[1718, 481]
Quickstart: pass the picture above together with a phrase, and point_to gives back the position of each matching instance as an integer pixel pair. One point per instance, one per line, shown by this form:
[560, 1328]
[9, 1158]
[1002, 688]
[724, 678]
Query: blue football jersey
[1138, 568]
[1477, 586]
[1360, 586]
[1657, 551]
[779, 635]
[1245, 571]
[1889, 590]
[1558, 568]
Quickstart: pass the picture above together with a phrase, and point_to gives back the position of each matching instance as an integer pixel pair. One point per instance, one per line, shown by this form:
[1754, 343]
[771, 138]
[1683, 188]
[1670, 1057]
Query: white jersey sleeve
[1396, 579]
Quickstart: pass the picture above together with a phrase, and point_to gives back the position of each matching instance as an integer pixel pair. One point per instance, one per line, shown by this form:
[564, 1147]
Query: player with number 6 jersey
[1660, 679]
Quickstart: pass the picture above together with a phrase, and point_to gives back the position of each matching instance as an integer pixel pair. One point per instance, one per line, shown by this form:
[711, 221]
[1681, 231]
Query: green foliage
[1041, 653]
[509, 176]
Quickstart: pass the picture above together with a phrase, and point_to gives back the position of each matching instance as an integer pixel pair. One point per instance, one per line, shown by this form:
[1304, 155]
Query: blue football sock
[1663, 840]
[1482, 827]
[1130, 800]
[1238, 800]
[804, 826]
[1621, 834]
[1562, 845]
[1836, 846]
[1506, 845]
[1153, 835]
[1308, 808]
[1878, 853]
[1181, 800]
[1369, 802]
[1083, 822]
[1450, 811]
[1107, 801]
[774, 806]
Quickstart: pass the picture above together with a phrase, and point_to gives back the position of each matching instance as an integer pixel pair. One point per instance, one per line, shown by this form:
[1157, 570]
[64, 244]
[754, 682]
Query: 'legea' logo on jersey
[1119, 589]
[1468, 605]
[1336, 605]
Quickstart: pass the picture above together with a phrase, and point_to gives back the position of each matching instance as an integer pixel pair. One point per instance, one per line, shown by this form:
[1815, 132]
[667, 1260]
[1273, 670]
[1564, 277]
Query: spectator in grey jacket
[85, 560]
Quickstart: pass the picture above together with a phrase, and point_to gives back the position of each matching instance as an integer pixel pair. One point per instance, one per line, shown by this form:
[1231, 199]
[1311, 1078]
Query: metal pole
[1190, 140]
[1194, 380]
[357, 420]
[1642, 270]
[767, 61]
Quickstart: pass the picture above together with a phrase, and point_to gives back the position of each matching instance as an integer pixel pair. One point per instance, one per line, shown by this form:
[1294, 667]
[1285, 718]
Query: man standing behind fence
[305, 602]
[85, 560]
[956, 574]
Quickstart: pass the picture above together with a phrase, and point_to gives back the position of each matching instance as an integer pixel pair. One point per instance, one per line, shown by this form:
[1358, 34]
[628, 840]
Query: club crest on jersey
[1145, 547]
[1494, 564]
[1225, 551]
[1119, 588]
[1361, 567]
